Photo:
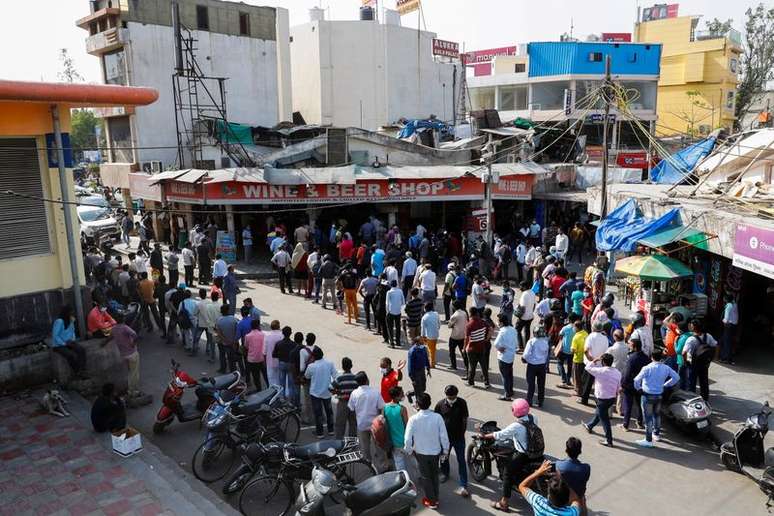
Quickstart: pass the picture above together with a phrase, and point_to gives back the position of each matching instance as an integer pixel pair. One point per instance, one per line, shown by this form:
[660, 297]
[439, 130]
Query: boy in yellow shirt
[578, 344]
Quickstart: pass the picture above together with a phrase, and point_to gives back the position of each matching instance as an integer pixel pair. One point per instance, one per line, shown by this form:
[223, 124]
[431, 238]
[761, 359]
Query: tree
[717, 27]
[83, 136]
[757, 64]
[68, 73]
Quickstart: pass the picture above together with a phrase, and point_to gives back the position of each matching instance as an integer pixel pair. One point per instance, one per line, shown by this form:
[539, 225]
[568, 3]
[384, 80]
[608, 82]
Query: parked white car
[97, 224]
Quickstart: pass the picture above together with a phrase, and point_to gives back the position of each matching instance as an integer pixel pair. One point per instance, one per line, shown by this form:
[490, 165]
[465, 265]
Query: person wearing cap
[408, 273]
[448, 290]
[517, 432]
[454, 411]
[536, 356]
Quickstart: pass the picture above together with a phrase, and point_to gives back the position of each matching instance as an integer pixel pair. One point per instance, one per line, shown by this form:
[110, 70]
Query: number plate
[702, 424]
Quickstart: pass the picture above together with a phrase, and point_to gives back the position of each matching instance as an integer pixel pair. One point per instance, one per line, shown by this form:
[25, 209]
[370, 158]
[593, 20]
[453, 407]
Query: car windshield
[93, 214]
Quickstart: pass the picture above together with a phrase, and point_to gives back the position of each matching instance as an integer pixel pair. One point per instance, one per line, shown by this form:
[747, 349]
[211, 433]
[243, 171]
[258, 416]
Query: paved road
[677, 477]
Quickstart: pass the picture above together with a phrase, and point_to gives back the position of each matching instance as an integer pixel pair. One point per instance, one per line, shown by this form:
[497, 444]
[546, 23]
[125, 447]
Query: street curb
[177, 490]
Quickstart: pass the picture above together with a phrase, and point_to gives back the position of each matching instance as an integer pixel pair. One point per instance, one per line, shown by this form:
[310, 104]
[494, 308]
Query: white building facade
[367, 73]
[248, 45]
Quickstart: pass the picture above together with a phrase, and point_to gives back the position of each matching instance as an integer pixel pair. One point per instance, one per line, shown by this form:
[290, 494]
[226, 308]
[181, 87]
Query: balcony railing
[734, 36]
[106, 41]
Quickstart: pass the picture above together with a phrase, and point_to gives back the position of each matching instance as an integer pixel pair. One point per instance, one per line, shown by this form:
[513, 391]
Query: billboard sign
[617, 37]
[754, 249]
[446, 48]
[407, 6]
[481, 60]
[660, 12]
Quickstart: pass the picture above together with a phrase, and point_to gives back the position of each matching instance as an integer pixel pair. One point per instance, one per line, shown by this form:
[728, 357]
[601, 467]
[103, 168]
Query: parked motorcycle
[205, 395]
[482, 452]
[689, 412]
[388, 494]
[745, 453]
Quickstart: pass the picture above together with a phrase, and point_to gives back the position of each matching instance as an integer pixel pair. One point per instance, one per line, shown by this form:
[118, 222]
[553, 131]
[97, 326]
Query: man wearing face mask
[99, 321]
[390, 376]
[454, 411]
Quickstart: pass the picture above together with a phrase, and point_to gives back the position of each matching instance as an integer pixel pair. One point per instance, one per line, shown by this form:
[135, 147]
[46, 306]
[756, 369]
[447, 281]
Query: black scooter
[745, 453]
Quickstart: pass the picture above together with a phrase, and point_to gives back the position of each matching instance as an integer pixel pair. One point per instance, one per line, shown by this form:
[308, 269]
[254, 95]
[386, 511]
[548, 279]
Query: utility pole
[488, 155]
[606, 90]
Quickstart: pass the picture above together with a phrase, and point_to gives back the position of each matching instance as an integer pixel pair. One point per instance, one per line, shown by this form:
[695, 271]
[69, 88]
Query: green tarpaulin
[234, 133]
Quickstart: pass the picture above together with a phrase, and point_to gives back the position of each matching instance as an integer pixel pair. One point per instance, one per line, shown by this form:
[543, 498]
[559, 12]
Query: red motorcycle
[205, 395]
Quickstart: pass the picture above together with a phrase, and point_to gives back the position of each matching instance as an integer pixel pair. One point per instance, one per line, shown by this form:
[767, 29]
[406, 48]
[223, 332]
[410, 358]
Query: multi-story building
[697, 88]
[135, 42]
[367, 73]
[556, 83]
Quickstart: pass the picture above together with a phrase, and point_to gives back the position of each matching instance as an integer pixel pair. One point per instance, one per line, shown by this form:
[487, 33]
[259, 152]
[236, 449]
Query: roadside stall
[654, 284]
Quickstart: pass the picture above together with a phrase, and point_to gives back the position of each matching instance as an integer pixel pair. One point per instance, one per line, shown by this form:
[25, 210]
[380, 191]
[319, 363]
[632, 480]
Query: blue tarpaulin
[675, 169]
[625, 226]
[413, 126]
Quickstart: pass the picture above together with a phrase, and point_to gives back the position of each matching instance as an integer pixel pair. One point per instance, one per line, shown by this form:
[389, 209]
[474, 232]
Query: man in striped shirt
[413, 311]
[476, 337]
[342, 387]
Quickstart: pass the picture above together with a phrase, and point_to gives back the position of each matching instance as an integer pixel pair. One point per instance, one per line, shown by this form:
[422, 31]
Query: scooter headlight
[323, 481]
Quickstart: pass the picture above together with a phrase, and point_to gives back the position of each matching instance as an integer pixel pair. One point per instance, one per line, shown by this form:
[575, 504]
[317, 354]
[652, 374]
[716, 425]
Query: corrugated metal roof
[572, 58]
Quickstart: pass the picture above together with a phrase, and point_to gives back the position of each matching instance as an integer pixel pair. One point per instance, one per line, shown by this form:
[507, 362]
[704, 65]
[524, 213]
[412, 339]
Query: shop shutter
[23, 221]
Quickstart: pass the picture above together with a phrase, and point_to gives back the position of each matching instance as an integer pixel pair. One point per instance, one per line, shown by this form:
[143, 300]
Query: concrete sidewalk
[53, 465]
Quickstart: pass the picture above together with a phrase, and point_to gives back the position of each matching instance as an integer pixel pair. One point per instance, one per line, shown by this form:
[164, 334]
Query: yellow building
[35, 268]
[697, 87]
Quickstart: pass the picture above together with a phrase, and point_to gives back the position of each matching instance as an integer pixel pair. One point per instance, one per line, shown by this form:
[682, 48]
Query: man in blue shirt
[418, 365]
[652, 380]
[575, 473]
[460, 288]
[536, 357]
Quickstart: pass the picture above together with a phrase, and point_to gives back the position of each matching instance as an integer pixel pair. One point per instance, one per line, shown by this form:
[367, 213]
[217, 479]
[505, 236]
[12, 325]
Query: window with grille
[23, 221]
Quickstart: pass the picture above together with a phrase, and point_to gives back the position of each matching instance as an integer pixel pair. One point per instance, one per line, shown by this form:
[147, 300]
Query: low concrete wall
[103, 364]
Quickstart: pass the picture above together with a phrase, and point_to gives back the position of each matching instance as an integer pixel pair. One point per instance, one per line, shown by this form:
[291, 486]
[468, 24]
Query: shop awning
[675, 234]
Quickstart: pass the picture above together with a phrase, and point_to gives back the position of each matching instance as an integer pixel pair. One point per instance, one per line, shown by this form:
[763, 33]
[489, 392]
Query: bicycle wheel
[355, 472]
[290, 428]
[214, 459]
[266, 496]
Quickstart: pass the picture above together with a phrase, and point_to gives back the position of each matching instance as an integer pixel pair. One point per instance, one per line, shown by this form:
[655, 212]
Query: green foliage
[718, 27]
[82, 130]
[757, 62]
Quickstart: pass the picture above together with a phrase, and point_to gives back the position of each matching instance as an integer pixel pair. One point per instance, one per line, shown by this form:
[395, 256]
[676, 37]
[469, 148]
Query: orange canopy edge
[83, 95]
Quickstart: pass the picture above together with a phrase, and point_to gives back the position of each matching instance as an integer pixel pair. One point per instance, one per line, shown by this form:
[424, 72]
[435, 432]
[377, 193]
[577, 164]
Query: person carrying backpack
[528, 444]
[700, 351]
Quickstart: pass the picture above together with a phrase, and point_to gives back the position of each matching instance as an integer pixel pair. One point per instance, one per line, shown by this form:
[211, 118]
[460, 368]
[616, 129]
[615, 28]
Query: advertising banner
[225, 246]
[140, 187]
[754, 250]
[446, 48]
[407, 6]
[481, 60]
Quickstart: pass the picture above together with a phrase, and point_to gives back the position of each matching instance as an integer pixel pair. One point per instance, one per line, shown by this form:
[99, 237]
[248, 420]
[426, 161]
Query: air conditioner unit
[157, 166]
[147, 167]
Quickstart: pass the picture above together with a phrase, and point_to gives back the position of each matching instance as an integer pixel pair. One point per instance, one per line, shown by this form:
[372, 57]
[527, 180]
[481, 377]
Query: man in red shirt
[390, 376]
[476, 338]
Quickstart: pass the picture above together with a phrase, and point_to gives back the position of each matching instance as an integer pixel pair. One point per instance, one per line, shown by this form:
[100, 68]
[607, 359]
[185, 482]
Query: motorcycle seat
[223, 381]
[320, 448]
[677, 395]
[374, 490]
[257, 402]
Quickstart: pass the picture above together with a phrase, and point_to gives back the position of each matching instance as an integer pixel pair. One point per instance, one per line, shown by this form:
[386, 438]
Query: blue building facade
[588, 58]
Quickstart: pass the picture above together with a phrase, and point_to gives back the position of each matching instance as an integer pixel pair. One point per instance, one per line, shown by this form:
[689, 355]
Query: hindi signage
[754, 249]
[446, 48]
[226, 247]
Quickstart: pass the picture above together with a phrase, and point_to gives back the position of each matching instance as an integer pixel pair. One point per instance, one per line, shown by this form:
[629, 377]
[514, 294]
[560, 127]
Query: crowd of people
[550, 314]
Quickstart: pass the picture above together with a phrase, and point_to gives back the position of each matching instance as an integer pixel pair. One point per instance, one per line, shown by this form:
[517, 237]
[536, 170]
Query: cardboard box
[127, 442]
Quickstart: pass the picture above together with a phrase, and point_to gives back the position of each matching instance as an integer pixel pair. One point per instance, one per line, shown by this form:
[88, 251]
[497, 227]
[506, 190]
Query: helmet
[520, 407]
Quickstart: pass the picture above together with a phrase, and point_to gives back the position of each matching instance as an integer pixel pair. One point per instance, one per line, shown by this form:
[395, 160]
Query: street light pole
[603, 211]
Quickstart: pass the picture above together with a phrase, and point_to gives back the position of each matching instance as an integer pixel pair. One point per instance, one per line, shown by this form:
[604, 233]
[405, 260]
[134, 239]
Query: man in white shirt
[408, 273]
[140, 264]
[562, 244]
[367, 403]
[219, 268]
[730, 320]
[391, 272]
[595, 346]
[521, 258]
[643, 332]
[189, 262]
[394, 302]
[427, 438]
[478, 294]
[505, 344]
[526, 308]
[427, 284]
[281, 261]
[247, 243]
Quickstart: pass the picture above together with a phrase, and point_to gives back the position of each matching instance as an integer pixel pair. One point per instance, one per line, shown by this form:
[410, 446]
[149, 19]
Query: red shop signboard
[401, 190]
